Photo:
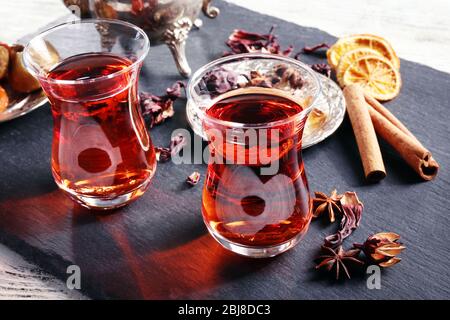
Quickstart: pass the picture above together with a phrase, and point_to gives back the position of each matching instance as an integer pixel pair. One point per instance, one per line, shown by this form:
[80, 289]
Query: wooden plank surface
[52, 11]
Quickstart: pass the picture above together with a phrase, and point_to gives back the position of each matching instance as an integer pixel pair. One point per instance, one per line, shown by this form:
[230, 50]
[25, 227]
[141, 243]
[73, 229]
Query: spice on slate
[323, 203]
[339, 260]
[312, 49]
[382, 248]
[322, 68]
[241, 41]
[156, 109]
[193, 178]
[352, 210]
[219, 80]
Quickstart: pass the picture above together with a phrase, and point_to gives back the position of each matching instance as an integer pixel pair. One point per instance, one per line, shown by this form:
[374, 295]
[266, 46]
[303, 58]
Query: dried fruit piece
[44, 54]
[349, 43]
[376, 75]
[4, 61]
[350, 57]
[18, 76]
[382, 248]
[339, 260]
[4, 100]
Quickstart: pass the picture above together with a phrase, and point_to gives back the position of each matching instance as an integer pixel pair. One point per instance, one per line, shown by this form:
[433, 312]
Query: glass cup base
[256, 252]
[107, 203]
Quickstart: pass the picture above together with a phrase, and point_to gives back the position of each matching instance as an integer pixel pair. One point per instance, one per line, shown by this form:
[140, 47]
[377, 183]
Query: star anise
[339, 260]
[382, 248]
[322, 203]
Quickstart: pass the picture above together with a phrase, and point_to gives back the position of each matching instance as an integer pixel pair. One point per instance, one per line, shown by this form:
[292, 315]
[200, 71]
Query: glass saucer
[322, 122]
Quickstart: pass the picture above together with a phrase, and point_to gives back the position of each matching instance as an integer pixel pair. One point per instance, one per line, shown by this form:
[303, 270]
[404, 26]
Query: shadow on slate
[158, 247]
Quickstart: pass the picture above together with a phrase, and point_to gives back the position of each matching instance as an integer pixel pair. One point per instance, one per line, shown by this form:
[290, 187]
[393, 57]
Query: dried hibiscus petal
[288, 75]
[219, 80]
[322, 68]
[352, 210]
[312, 49]
[176, 144]
[162, 154]
[241, 41]
[174, 92]
[156, 109]
[193, 178]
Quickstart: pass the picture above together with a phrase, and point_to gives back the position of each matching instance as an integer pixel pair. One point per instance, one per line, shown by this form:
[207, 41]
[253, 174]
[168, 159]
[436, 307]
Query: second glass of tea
[253, 107]
[102, 155]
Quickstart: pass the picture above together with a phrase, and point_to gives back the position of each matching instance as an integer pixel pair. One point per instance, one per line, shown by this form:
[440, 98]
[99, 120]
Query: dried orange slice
[376, 75]
[348, 58]
[370, 41]
[3, 99]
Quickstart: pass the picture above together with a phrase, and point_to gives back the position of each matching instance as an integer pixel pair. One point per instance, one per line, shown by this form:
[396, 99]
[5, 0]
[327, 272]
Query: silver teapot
[166, 21]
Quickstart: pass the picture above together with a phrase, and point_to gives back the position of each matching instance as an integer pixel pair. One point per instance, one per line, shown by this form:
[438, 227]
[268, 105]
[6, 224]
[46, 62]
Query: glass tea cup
[253, 109]
[102, 155]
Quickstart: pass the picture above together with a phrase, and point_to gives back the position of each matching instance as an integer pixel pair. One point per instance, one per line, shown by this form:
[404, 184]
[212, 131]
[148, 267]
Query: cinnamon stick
[402, 140]
[365, 135]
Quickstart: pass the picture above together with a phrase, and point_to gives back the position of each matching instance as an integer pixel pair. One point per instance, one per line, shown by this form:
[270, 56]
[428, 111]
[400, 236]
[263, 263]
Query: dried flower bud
[382, 248]
[193, 178]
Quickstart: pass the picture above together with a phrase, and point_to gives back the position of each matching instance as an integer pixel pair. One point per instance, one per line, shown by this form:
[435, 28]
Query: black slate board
[158, 246]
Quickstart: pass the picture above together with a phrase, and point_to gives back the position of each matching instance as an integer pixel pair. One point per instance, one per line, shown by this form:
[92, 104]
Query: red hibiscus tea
[256, 194]
[101, 150]
[102, 156]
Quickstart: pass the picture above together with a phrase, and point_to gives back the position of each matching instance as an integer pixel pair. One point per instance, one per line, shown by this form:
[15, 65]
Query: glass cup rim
[230, 124]
[33, 70]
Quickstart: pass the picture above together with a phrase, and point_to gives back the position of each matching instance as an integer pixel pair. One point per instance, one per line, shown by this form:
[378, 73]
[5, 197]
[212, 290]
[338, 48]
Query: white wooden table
[419, 31]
